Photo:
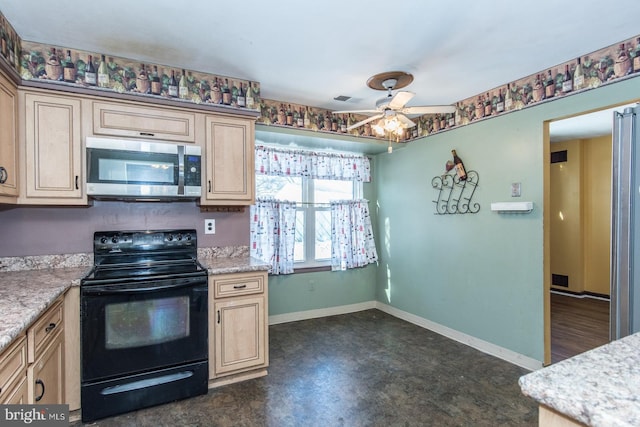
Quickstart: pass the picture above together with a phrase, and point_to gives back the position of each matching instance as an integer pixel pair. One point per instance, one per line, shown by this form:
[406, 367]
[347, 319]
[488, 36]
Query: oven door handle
[121, 290]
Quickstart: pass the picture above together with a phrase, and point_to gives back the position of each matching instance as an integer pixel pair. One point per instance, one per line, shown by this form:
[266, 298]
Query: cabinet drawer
[13, 363]
[238, 284]
[45, 329]
[143, 122]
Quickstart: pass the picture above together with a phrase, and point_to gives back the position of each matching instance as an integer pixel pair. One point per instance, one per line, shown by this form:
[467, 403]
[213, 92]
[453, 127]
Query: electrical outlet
[209, 226]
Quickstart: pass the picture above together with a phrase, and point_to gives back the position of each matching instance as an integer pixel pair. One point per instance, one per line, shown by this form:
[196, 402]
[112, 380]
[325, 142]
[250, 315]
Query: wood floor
[577, 325]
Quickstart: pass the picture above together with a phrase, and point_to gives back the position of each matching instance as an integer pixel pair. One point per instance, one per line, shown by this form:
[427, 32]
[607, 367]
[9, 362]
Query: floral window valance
[309, 164]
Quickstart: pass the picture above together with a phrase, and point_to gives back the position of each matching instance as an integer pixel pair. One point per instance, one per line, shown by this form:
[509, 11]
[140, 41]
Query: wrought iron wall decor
[454, 194]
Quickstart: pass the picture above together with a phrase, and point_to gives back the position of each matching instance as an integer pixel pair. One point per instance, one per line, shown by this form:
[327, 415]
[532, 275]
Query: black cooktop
[121, 256]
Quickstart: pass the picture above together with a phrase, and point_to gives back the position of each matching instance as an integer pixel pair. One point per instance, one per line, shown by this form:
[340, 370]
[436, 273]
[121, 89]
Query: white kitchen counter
[598, 388]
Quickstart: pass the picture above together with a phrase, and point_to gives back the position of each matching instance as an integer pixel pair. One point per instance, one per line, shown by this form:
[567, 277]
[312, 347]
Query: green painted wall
[480, 274]
[313, 291]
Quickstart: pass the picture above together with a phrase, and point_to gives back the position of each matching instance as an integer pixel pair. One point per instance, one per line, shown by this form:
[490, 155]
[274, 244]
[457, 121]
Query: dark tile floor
[360, 369]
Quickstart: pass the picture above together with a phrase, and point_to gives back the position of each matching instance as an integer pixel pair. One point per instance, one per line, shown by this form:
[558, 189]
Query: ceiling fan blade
[405, 120]
[400, 99]
[355, 111]
[429, 109]
[365, 121]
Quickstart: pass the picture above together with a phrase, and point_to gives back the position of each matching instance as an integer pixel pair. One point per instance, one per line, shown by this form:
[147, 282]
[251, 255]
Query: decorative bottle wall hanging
[456, 188]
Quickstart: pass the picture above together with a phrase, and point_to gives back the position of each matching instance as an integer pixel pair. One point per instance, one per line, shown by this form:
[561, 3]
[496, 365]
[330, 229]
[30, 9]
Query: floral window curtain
[272, 231]
[284, 162]
[352, 243]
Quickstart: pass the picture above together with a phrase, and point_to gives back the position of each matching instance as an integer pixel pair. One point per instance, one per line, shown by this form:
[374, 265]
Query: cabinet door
[8, 138]
[13, 365]
[229, 161]
[53, 150]
[143, 122]
[239, 334]
[17, 396]
[45, 377]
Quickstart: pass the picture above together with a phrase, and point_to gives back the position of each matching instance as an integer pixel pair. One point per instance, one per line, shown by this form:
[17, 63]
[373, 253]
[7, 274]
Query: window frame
[309, 207]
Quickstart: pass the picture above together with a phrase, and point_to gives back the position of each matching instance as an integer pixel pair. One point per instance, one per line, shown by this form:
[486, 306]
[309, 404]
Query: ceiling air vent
[342, 98]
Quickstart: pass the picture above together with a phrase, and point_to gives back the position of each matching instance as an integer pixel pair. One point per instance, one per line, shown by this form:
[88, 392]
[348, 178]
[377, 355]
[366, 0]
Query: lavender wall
[61, 230]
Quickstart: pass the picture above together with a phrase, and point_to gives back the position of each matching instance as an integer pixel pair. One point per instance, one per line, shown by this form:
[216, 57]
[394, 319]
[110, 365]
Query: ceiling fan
[391, 110]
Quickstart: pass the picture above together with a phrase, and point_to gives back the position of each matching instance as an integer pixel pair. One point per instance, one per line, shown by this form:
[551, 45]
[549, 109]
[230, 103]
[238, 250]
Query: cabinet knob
[209, 186]
[77, 187]
[41, 383]
[50, 327]
[4, 175]
[218, 316]
[240, 286]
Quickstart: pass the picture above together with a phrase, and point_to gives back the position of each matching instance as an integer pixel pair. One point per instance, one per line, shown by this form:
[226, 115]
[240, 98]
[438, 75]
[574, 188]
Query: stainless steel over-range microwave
[140, 169]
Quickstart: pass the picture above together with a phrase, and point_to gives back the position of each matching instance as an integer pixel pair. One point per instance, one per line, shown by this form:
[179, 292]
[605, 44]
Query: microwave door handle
[180, 170]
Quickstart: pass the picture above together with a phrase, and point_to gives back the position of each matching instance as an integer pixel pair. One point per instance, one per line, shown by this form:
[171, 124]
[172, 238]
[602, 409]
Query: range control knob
[179, 236]
[187, 236]
[114, 239]
[104, 240]
[170, 237]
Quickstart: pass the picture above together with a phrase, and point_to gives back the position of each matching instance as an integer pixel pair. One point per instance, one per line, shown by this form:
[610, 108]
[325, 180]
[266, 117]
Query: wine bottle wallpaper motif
[636, 57]
[90, 75]
[143, 85]
[69, 71]
[622, 64]
[567, 80]
[183, 87]
[172, 88]
[34, 61]
[53, 68]
[156, 83]
[104, 79]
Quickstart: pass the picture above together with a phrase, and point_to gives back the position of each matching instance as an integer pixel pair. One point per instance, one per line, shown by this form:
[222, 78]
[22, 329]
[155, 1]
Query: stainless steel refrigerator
[625, 224]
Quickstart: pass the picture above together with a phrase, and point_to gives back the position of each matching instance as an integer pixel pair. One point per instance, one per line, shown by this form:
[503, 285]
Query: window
[313, 213]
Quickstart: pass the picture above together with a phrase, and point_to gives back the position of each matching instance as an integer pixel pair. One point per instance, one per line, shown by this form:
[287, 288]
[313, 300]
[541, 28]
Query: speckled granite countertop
[27, 288]
[599, 388]
[25, 295]
[233, 265]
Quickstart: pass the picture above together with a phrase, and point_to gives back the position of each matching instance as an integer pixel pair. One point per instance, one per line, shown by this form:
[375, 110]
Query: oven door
[141, 326]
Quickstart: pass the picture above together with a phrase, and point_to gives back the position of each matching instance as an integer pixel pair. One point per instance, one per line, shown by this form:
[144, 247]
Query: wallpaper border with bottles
[33, 60]
[605, 66]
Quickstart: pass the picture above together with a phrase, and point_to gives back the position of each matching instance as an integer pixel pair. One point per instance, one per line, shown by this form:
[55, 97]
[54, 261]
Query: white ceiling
[310, 52]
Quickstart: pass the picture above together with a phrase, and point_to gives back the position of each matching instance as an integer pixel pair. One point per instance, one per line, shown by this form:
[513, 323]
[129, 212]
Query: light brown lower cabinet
[18, 395]
[548, 417]
[238, 327]
[13, 372]
[45, 345]
[32, 366]
[45, 376]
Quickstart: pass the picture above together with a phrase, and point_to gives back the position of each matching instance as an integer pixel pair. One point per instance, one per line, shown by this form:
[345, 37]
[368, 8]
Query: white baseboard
[322, 312]
[483, 346]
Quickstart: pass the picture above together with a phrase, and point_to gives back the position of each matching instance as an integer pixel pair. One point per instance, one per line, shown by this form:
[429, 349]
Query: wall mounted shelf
[512, 207]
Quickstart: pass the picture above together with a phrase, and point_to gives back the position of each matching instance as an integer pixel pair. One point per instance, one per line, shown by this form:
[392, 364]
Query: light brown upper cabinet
[8, 141]
[51, 154]
[229, 156]
[123, 119]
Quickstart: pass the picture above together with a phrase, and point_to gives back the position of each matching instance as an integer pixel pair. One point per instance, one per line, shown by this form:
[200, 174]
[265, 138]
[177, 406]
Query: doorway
[577, 233]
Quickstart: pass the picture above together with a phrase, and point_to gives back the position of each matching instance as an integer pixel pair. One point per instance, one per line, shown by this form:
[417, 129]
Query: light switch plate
[209, 226]
[515, 189]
